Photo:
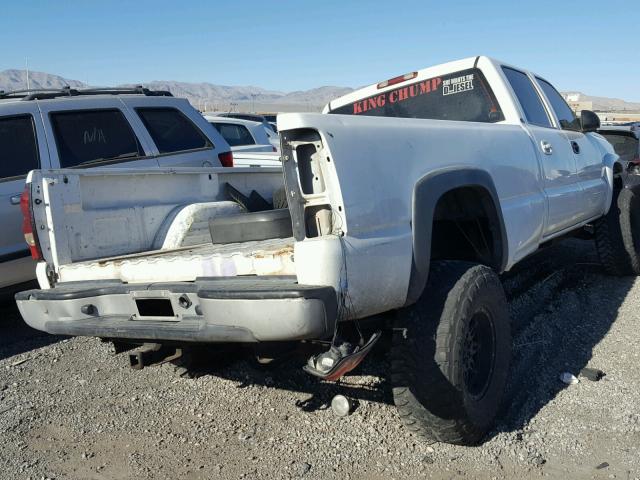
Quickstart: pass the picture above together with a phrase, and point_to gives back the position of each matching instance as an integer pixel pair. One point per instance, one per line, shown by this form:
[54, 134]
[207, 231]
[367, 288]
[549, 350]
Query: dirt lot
[69, 408]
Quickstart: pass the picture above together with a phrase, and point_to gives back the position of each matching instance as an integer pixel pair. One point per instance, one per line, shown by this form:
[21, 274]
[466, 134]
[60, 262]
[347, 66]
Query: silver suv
[90, 128]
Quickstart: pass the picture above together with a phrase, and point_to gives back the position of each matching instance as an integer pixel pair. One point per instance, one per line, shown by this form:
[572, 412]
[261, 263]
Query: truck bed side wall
[379, 161]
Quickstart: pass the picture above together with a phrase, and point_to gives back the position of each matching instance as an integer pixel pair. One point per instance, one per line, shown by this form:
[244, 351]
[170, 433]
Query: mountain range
[209, 96]
[219, 97]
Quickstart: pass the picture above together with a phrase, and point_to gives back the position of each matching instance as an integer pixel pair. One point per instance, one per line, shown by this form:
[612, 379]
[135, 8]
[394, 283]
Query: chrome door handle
[546, 147]
[15, 200]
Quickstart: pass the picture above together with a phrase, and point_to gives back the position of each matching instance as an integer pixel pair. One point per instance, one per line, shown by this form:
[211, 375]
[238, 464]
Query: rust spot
[277, 253]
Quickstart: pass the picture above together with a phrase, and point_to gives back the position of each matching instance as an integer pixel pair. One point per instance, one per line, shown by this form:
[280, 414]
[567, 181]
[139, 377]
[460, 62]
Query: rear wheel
[451, 354]
[618, 234]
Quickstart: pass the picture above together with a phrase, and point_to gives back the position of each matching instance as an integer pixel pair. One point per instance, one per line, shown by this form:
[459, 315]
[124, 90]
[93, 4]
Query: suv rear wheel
[451, 354]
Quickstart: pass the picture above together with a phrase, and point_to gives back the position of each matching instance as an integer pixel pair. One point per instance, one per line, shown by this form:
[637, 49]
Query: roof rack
[47, 93]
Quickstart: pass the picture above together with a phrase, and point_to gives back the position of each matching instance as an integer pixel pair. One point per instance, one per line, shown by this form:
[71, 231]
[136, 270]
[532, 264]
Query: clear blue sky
[591, 46]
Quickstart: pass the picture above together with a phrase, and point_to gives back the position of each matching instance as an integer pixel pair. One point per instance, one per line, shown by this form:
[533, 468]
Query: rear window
[528, 97]
[18, 146]
[171, 130]
[93, 136]
[463, 96]
[625, 146]
[234, 134]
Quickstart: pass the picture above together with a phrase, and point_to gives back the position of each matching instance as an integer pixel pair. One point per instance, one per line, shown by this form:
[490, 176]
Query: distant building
[579, 106]
[576, 102]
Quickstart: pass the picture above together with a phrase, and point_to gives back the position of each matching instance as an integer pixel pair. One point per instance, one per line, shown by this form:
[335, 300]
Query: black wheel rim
[478, 356]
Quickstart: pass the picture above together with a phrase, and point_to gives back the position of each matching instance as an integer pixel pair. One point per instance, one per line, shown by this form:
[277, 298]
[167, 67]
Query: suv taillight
[27, 224]
[226, 159]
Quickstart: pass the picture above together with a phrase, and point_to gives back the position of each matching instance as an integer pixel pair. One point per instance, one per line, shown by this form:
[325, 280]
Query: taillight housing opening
[226, 159]
[28, 224]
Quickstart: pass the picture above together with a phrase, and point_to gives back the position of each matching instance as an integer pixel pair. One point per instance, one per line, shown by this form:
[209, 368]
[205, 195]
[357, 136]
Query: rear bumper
[209, 310]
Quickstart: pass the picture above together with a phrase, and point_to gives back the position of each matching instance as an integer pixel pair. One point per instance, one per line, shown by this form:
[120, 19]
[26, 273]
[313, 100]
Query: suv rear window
[171, 130]
[463, 96]
[18, 146]
[624, 145]
[234, 134]
[93, 136]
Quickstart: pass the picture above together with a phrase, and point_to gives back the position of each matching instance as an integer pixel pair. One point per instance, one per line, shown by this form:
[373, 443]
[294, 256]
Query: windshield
[462, 96]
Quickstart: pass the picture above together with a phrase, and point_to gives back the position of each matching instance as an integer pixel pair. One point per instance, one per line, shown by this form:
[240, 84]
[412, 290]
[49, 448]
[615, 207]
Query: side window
[171, 130]
[234, 134]
[18, 146]
[568, 120]
[93, 136]
[528, 97]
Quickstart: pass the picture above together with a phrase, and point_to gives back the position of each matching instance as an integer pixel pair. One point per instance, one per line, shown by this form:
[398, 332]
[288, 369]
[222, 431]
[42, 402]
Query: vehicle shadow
[559, 318]
[16, 336]
[368, 382]
[561, 305]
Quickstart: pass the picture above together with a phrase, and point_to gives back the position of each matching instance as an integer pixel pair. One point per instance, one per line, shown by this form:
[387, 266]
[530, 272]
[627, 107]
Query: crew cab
[71, 128]
[405, 201]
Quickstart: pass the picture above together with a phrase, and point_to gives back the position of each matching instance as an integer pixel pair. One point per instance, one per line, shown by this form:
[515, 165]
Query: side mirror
[589, 121]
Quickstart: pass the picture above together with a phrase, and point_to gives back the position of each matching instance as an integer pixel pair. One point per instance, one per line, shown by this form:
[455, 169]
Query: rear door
[93, 132]
[585, 150]
[22, 148]
[559, 171]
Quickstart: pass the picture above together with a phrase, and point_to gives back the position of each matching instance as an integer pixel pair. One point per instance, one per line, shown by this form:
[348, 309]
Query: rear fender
[426, 194]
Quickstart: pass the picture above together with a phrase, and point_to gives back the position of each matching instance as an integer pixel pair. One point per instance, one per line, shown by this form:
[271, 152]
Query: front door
[560, 179]
[585, 150]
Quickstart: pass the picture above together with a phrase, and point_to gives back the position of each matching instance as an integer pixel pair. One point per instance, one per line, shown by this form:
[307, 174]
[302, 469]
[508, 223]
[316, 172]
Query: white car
[245, 135]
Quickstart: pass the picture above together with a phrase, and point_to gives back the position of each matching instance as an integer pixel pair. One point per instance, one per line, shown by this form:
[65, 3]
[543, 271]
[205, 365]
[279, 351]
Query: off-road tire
[617, 234]
[431, 347]
[280, 199]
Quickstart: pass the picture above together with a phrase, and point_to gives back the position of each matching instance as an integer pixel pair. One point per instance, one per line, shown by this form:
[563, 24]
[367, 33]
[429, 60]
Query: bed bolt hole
[89, 309]
[184, 301]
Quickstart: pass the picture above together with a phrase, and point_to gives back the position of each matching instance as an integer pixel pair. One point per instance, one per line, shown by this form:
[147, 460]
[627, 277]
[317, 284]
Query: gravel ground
[70, 408]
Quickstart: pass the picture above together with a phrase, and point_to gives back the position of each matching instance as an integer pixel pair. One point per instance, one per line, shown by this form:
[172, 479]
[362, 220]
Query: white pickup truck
[406, 199]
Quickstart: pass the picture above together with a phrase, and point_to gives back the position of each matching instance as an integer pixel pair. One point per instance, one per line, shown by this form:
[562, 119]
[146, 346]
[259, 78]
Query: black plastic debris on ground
[592, 374]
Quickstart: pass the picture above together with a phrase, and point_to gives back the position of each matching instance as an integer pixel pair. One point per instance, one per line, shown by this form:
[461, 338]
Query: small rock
[569, 378]
[302, 468]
